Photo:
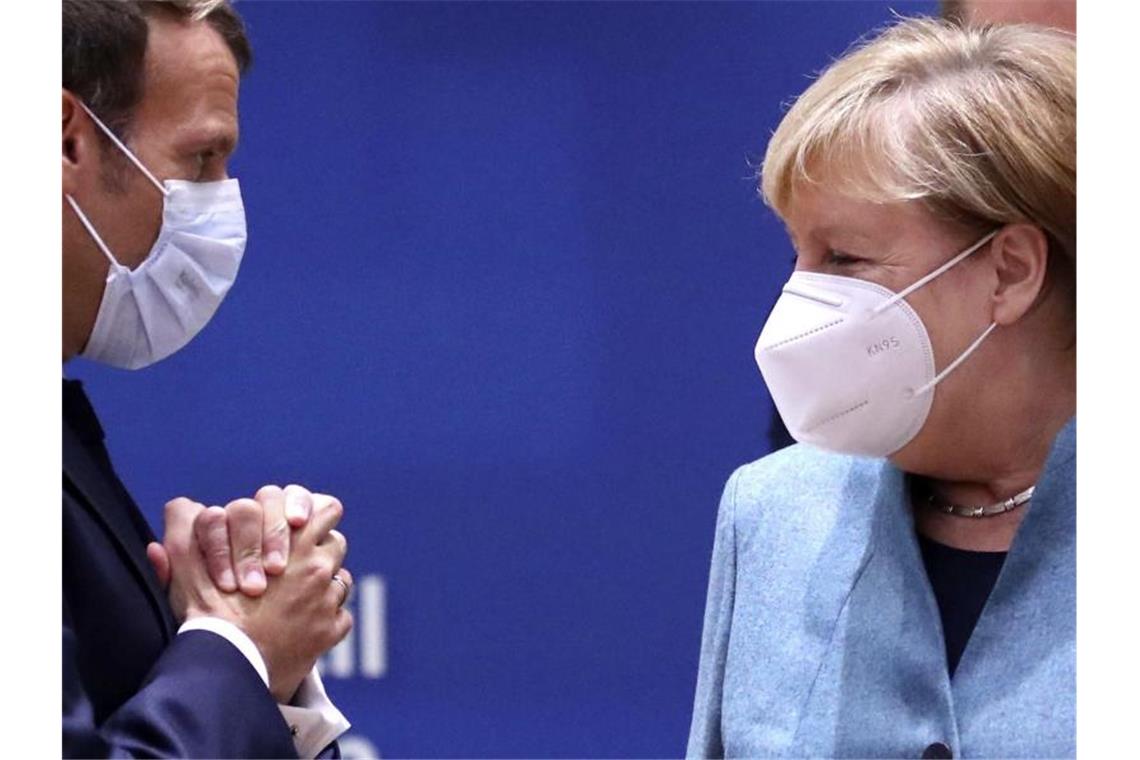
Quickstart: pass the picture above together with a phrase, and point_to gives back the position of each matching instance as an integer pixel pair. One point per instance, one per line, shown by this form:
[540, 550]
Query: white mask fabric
[849, 363]
[150, 312]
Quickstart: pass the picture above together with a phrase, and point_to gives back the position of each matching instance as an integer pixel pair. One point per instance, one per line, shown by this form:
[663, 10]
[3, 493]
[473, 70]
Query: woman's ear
[1020, 253]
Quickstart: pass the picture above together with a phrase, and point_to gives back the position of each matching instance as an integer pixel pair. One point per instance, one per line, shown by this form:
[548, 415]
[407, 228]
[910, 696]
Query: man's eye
[840, 259]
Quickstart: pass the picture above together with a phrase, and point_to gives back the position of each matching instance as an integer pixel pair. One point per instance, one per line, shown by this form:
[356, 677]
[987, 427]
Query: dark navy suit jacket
[131, 687]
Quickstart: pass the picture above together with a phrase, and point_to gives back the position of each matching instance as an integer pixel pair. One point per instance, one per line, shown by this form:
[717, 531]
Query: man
[221, 664]
[1059, 14]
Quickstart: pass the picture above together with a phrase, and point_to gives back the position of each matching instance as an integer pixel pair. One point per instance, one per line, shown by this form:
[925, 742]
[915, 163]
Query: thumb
[160, 562]
[180, 557]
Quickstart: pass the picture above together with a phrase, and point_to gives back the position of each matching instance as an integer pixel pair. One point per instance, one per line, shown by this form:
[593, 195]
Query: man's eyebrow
[220, 139]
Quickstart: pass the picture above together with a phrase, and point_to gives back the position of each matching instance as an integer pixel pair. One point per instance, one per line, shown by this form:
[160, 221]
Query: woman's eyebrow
[844, 231]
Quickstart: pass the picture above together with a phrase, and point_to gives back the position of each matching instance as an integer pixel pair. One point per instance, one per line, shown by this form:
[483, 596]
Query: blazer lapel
[106, 505]
[900, 639]
[884, 687]
[1019, 667]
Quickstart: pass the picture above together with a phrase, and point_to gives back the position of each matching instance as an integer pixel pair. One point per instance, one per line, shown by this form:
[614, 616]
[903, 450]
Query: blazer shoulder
[799, 488]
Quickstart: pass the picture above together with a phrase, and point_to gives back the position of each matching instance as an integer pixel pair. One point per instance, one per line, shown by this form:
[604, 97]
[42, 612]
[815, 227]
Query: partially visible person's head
[105, 42]
[163, 76]
[912, 147]
[1057, 14]
[975, 124]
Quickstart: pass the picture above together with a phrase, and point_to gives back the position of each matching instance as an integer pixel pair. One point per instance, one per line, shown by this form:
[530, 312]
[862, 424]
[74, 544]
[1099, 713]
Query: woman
[902, 583]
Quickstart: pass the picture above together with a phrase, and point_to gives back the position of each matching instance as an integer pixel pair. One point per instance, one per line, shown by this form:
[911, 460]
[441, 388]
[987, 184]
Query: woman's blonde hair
[977, 123]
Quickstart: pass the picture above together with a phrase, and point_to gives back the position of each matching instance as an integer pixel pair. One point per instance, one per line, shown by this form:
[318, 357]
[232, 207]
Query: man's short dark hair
[104, 44]
[953, 10]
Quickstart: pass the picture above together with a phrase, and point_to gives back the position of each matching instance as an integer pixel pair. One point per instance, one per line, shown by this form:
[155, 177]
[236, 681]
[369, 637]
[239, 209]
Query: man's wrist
[232, 634]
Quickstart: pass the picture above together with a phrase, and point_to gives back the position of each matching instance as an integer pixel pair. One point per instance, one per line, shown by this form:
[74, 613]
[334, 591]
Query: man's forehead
[190, 76]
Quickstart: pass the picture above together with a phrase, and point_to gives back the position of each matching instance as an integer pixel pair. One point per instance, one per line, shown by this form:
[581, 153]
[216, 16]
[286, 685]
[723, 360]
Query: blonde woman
[902, 582]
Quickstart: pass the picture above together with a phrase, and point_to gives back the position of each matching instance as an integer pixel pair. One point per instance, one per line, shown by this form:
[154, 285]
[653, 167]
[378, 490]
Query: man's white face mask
[152, 311]
[849, 363]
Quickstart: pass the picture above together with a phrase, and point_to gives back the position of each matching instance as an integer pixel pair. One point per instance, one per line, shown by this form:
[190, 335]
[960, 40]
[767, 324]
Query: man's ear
[78, 142]
[1020, 253]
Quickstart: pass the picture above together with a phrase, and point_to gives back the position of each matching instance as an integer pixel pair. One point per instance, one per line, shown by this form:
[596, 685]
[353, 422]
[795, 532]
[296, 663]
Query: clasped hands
[271, 565]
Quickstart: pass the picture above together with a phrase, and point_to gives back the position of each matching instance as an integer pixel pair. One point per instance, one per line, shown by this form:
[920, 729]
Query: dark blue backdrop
[507, 265]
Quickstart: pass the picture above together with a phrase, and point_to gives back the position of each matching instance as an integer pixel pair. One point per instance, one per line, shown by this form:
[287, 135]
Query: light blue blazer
[822, 637]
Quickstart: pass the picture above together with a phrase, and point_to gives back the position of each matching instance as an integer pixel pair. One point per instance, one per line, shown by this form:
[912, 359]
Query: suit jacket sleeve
[202, 698]
[705, 738]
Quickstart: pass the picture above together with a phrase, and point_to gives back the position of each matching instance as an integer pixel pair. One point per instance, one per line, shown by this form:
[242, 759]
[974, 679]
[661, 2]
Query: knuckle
[277, 531]
[275, 542]
[243, 509]
[211, 521]
[323, 571]
[266, 492]
[216, 554]
[317, 570]
[300, 498]
[181, 504]
[329, 505]
[247, 554]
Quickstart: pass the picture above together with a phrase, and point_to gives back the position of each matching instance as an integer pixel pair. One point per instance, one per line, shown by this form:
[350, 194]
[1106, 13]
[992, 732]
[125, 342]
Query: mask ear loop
[907, 291]
[954, 364]
[134, 159]
[119, 143]
[94, 235]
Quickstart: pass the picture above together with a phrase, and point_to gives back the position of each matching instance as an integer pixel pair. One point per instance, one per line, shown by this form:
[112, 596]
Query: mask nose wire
[126, 151]
[907, 291]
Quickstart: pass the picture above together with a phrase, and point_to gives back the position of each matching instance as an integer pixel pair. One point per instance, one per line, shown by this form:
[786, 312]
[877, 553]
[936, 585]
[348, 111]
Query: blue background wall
[507, 265]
